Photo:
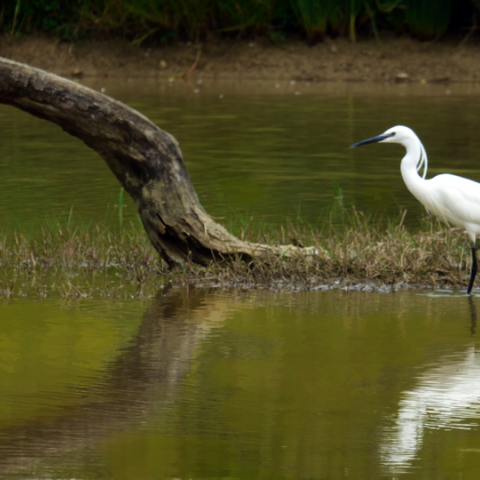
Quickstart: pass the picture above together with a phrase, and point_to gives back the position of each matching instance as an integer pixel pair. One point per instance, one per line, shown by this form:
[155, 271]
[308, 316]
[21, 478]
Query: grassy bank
[162, 21]
[362, 253]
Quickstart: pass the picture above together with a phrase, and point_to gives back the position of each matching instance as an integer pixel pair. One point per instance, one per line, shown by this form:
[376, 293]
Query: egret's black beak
[378, 138]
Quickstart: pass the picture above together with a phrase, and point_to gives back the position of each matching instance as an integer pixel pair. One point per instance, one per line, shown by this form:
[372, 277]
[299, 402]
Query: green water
[233, 384]
[261, 154]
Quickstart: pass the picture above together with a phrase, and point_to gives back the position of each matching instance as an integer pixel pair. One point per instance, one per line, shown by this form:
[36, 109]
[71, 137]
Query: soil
[395, 59]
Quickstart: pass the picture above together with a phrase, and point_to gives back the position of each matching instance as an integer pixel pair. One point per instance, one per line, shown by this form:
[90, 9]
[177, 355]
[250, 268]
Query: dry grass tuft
[363, 254]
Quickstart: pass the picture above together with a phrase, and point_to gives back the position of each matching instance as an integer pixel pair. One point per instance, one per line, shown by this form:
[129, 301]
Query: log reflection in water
[143, 379]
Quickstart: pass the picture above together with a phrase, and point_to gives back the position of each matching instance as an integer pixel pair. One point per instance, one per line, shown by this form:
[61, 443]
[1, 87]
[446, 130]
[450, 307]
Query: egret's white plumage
[454, 200]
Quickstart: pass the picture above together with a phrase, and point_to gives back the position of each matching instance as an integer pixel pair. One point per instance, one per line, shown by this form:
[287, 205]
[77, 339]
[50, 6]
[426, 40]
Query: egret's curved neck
[410, 163]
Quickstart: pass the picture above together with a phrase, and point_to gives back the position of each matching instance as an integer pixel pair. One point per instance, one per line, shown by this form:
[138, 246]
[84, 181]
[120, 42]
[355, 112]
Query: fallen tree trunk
[146, 160]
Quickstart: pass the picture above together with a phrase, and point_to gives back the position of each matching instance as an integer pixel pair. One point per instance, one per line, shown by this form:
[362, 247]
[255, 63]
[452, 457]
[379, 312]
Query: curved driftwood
[146, 160]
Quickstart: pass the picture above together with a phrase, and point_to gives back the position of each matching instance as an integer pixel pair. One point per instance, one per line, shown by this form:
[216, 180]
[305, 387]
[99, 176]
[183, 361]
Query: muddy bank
[393, 60]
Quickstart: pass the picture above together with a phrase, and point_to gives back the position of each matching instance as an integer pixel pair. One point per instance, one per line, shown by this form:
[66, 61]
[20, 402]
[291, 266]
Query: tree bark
[146, 160]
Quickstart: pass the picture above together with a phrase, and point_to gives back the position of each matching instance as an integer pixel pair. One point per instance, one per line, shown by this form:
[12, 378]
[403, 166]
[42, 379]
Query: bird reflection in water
[447, 396]
[473, 315]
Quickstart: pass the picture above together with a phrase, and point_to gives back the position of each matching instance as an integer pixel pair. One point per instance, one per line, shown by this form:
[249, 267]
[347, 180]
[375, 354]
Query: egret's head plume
[404, 136]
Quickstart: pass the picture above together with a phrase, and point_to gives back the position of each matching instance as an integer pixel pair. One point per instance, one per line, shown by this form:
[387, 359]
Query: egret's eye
[392, 134]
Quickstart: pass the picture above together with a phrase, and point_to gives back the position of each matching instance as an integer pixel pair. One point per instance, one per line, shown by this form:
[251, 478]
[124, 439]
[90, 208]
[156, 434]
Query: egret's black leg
[474, 270]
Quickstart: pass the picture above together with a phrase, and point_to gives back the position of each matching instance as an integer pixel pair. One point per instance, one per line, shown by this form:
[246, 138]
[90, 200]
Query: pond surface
[235, 384]
[270, 154]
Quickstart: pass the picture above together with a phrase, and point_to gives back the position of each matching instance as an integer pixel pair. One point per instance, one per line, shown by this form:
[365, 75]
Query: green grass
[162, 21]
[315, 16]
[428, 19]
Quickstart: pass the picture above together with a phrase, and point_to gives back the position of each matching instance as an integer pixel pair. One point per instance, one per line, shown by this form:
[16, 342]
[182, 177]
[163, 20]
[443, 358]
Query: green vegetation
[428, 18]
[161, 21]
[90, 261]
[314, 17]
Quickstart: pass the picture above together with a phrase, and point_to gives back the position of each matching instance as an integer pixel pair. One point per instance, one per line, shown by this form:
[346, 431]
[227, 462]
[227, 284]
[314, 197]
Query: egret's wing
[455, 199]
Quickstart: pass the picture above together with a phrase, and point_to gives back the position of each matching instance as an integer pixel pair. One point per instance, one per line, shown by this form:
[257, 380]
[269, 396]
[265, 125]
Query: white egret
[454, 200]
